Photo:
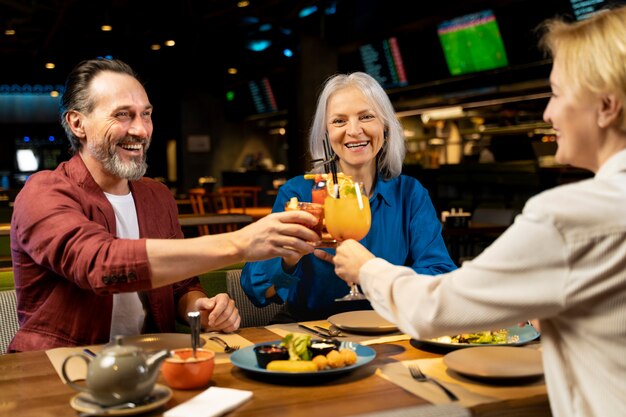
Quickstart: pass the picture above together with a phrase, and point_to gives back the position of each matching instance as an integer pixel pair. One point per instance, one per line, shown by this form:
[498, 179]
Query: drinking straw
[326, 153]
[333, 164]
[357, 188]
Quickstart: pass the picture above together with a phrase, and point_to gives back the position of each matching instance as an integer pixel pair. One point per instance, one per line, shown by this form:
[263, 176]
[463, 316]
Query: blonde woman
[563, 260]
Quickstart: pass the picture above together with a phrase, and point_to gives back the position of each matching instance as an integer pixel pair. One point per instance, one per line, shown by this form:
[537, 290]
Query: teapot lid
[119, 349]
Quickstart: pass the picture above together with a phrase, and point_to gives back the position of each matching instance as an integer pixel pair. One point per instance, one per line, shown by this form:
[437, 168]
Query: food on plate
[323, 353]
[267, 353]
[323, 346]
[298, 346]
[292, 366]
[335, 360]
[494, 337]
[349, 356]
[321, 361]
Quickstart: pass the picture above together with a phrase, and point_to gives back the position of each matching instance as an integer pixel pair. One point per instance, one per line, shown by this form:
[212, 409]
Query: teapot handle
[67, 379]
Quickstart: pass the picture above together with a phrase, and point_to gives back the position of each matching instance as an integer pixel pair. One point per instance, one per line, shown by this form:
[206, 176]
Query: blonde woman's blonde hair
[591, 53]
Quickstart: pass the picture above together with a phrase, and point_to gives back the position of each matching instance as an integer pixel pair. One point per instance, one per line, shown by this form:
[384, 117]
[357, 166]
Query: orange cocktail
[348, 217]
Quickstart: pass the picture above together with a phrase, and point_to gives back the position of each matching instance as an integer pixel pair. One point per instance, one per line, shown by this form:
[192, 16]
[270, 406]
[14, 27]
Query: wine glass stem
[354, 290]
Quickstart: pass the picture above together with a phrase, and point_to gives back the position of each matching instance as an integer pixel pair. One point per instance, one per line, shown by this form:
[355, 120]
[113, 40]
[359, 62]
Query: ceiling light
[9, 32]
[307, 11]
[232, 71]
[106, 28]
[49, 65]
[243, 3]
[155, 46]
[170, 42]
[54, 93]
[259, 45]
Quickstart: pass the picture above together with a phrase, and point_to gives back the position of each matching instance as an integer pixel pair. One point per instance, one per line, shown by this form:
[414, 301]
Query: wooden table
[213, 218]
[29, 386]
[255, 212]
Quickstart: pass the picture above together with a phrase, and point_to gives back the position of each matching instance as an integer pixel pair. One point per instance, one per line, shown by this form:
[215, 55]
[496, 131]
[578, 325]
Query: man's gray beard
[111, 161]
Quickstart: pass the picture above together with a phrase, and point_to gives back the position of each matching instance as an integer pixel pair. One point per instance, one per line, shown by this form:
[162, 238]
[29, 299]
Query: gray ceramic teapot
[119, 373]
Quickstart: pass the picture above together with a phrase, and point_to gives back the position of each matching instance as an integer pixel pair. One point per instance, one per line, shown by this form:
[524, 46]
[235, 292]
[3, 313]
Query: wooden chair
[241, 200]
[197, 198]
[235, 199]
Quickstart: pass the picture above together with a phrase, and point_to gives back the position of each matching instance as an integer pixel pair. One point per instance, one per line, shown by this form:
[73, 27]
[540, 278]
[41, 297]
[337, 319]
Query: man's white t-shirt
[128, 311]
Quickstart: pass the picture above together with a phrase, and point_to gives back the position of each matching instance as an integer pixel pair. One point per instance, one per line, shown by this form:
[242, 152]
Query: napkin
[283, 329]
[213, 402]
[469, 392]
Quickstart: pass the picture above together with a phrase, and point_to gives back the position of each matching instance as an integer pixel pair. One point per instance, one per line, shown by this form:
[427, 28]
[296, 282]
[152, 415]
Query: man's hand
[350, 257]
[281, 234]
[218, 313]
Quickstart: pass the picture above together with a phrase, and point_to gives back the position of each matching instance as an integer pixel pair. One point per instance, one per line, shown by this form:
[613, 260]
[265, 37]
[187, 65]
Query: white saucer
[84, 403]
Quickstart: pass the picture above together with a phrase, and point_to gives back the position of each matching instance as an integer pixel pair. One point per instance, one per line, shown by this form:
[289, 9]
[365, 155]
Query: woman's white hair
[391, 156]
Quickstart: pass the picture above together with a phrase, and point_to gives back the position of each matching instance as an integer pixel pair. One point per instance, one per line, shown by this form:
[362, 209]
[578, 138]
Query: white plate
[362, 321]
[160, 341]
[495, 362]
[84, 403]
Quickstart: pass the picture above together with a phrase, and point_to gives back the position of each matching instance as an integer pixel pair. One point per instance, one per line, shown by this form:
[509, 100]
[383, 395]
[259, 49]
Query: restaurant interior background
[234, 88]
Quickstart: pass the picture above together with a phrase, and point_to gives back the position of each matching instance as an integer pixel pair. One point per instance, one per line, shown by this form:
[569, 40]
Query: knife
[332, 332]
[317, 332]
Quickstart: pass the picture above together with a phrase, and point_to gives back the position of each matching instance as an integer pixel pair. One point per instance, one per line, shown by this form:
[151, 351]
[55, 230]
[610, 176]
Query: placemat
[283, 329]
[470, 392]
[425, 410]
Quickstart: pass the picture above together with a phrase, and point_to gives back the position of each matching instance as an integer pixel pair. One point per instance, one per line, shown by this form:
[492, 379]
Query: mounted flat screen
[262, 96]
[585, 8]
[472, 43]
[383, 61]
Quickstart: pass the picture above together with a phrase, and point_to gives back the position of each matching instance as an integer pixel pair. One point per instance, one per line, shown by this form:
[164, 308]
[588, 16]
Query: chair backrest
[196, 198]
[238, 196]
[251, 315]
[8, 322]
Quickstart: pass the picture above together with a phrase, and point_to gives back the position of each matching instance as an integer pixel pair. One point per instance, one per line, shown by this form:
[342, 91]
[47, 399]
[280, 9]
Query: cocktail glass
[348, 217]
[315, 209]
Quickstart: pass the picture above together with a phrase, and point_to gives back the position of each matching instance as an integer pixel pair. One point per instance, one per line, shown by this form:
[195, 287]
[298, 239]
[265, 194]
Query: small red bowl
[182, 371]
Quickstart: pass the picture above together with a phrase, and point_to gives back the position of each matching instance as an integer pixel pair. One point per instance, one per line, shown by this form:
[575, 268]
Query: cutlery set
[322, 331]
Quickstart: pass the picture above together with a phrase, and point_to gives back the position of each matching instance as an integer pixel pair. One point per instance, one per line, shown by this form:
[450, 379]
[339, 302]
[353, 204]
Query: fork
[227, 348]
[418, 375]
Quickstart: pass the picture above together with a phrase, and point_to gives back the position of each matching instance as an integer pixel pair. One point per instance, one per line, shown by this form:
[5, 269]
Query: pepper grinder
[194, 322]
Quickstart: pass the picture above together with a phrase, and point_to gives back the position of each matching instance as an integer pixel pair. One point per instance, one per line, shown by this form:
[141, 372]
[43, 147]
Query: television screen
[472, 43]
[585, 8]
[383, 61]
[262, 96]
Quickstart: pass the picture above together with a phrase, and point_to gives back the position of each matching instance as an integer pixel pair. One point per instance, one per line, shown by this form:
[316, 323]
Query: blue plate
[245, 358]
[517, 336]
